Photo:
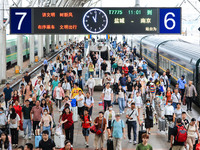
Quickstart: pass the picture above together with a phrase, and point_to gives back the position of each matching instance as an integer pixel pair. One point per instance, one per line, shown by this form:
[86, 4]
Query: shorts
[86, 131]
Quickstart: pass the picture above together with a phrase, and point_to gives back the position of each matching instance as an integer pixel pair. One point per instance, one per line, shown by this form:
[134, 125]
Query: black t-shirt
[48, 145]
[32, 104]
[27, 78]
[130, 69]
[26, 111]
[103, 66]
[174, 134]
[79, 57]
[112, 60]
[129, 86]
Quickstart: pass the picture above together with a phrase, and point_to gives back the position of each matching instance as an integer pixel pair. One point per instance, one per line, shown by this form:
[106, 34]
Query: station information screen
[95, 20]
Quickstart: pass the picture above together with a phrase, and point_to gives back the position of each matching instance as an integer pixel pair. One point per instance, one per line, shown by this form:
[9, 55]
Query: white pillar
[137, 3]
[20, 51]
[40, 47]
[57, 41]
[67, 39]
[52, 42]
[2, 43]
[47, 43]
[32, 49]
[62, 39]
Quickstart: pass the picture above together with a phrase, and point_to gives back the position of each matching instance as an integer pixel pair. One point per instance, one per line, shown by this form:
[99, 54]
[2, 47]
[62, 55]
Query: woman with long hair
[28, 90]
[44, 105]
[15, 96]
[13, 121]
[121, 99]
[18, 110]
[68, 124]
[4, 142]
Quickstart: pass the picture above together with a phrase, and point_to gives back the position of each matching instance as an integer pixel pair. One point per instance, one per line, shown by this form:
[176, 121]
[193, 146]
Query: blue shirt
[117, 128]
[181, 83]
[45, 62]
[65, 68]
[133, 76]
[55, 83]
[8, 93]
[122, 81]
[144, 66]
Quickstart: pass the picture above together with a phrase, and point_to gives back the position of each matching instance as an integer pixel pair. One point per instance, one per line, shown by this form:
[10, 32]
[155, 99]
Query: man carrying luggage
[179, 135]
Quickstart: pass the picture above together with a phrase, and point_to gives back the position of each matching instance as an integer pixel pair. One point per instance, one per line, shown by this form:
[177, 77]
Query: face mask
[1, 112]
[10, 112]
[45, 113]
[110, 108]
[148, 104]
[169, 104]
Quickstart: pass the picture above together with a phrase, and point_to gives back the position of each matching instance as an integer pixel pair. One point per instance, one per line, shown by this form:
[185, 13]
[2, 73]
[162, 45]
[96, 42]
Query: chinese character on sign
[61, 27]
[70, 14]
[53, 14]
[48, 14]
[149, 12]
[66, 14]
[39, 27]
[74, 27]
[61, 14]
[66, 27]
[116, 20]
[44, 14]
[48, 27]
[142, 20]
[154, 28]
[148, 20]
[70, 27]
[147, 28]
[121, 20]
[151, 29]
[52, 26]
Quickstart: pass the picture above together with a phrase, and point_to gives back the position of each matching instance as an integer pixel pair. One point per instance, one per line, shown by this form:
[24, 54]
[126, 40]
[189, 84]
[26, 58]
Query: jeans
[182, 91]
[51, 72]
[79, 73]
[48, 129]
[174, 105]
[121, 103]
[59, 103]
[27, 122]
[70, 134]
[91, 73]
[107, 103]
[132, 124]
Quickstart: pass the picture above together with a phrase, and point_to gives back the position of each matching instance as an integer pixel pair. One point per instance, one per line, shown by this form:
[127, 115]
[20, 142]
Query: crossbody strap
[131, 113]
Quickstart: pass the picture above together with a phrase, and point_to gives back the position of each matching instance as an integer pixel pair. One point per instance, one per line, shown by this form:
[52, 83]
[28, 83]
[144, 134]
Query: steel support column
[32, 49]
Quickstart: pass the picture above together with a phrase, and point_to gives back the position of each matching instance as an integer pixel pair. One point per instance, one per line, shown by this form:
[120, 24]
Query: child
[86, 121]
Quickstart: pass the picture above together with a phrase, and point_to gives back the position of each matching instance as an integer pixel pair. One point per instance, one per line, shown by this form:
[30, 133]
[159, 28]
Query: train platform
[158, 139]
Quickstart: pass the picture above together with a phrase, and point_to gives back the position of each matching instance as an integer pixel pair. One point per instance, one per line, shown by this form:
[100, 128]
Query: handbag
[129, 116]
[150, 118]
[93, 129]
[100, 131]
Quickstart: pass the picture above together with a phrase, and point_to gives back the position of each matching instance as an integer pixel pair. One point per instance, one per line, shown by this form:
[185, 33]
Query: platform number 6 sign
[170, 20]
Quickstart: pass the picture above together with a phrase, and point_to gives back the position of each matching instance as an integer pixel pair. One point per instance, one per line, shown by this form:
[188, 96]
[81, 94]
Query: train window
[8, 52]
[145, 51]
[150, 53]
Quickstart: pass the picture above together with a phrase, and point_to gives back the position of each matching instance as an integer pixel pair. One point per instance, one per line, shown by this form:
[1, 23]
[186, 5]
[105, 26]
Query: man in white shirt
[80, 102]
[89, 103]
[107, 96]
[91, 84]
[176, 98]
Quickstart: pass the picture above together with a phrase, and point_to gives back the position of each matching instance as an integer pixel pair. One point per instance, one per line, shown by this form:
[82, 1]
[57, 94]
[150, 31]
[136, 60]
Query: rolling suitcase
[110, 144]
[75, 113]
[59, 141]
[37, 140]
[140, 134]
[161, 124]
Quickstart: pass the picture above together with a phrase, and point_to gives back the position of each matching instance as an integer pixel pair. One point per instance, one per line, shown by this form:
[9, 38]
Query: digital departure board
[95, 20]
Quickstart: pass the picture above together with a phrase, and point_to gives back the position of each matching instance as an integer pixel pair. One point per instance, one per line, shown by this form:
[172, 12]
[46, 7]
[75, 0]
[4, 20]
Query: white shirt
[176, 98]
[117, 76]
[90, 83]
[107, 94]
[58, 93]
[169, 110]
[80, 103]
[13, 122]
[79, 67]
[89, 100]
[134, 114]
[138, 101]
[66, 86]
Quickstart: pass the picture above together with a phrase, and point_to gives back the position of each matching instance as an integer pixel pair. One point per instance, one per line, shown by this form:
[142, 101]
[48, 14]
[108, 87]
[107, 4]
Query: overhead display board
[131, 20]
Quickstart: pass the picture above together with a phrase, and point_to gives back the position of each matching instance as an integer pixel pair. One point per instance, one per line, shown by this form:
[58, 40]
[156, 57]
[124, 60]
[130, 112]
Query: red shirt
[86, 125]
[18, 110]
[64, 148]
[125, 70]
[69, 122]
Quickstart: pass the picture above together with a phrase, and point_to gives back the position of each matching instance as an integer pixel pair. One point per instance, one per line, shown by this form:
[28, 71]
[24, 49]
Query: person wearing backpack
[118, 131]
[192, 130]
[86, 121]
[179, 135]
[89, 103]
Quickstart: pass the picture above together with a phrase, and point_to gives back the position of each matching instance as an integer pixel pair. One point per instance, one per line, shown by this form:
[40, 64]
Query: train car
[182, 58]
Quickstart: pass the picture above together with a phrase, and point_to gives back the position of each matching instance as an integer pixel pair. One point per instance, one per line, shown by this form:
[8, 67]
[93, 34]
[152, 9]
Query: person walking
[190, 92]
[110, 116]
[91, 84]
[132, 117]
[181, 85]
[7, 94]
[107, 96]
[118, 131]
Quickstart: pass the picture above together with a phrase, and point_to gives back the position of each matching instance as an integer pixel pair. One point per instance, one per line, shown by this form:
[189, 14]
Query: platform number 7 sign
[20, 21]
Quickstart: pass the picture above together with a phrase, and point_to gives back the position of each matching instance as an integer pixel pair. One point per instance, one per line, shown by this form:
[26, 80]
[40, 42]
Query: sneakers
[29, 137]
[87, 145]
[123, 112]
[130, 141]
[134, 143]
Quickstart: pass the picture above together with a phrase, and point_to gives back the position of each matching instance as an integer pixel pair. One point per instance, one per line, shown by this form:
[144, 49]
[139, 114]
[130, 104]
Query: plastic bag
[59, 130]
